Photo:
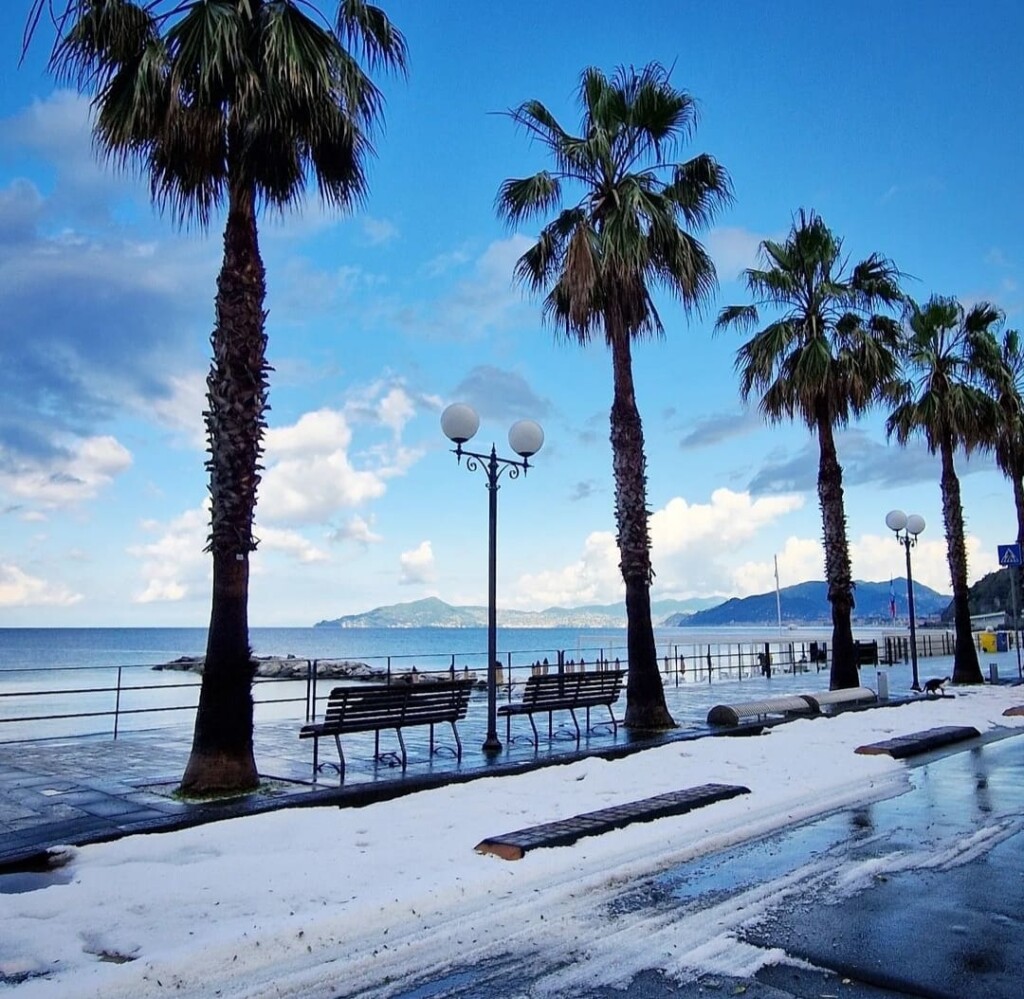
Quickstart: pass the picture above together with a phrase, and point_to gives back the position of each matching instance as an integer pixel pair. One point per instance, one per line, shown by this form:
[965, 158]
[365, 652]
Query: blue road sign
[1009, 555]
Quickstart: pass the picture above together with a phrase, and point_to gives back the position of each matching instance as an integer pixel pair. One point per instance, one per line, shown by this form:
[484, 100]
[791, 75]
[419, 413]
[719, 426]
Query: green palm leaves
[947, 347]
[948, 350]
[629, 227]
[204, 94]
[829, 354]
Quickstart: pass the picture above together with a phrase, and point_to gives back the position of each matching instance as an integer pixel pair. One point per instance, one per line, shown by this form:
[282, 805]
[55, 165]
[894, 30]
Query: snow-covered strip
[337, 901]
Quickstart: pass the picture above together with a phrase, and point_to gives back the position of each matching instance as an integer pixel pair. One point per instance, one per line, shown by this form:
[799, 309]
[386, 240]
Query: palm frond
[520, 199]
[367, 29]
[743, 317]
[700, 188]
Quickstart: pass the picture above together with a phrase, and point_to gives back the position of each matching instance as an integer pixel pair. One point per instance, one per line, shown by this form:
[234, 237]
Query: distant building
[997, 620]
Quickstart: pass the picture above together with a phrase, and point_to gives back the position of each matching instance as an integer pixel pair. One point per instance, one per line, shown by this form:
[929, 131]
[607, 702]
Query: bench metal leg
[341, 757]
[458, 741]
[401, 742]
[572, 711]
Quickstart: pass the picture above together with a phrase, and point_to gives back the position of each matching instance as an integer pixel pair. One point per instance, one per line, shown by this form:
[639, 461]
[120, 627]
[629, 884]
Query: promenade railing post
[117, 702]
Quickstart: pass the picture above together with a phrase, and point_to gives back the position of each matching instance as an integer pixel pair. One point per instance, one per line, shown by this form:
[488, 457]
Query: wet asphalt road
[917, 895]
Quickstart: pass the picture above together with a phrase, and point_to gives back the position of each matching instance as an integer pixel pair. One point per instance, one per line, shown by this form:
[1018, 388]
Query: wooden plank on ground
[512, 846]
[919, 742]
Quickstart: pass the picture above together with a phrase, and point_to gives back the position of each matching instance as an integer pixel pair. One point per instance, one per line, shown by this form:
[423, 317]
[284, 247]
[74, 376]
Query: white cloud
[445, 262]
[396, 409]
[476, 305]
[311, 474]
[693, 545]
[290, 543]
[174, 565]
[87, 466]
[728, 519]
[357, 529]
[181, 410]
[379, 232]
[800, 559]
[593, 579]
[873, 558]
[60, 129]
[733, 250]
[417, 565]
[19, 589]
[877, 557]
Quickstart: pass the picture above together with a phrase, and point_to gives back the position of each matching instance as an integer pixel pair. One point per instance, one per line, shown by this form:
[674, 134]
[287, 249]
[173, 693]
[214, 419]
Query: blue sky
[899, 123]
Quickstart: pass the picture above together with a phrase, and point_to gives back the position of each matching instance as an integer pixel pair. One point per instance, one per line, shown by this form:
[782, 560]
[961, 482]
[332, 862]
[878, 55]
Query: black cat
[935, 686]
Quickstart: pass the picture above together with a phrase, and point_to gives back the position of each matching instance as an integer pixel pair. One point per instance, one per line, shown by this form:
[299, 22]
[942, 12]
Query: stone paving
[88, 789]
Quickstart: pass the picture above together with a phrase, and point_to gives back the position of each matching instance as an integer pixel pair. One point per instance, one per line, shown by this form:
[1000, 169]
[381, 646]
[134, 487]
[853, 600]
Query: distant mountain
[807, 603]
[434, 613]
[989, 595]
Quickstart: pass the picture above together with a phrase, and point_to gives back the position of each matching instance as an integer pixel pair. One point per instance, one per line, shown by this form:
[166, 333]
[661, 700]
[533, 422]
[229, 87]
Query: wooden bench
[866, 653]
[374, 708]
[551, 692]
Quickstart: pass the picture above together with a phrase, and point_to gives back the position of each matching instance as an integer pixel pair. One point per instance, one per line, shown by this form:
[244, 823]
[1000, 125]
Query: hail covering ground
[328, 902]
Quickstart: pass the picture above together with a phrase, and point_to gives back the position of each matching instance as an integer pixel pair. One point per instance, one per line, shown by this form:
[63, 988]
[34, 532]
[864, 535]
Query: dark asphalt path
[916, 895]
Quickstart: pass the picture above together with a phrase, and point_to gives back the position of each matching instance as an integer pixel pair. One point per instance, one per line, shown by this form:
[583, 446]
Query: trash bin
[988, 641]
[1002, 642]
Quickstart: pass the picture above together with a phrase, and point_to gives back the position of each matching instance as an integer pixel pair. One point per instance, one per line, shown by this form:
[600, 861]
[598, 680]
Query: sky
[900, 124]
[181, 912]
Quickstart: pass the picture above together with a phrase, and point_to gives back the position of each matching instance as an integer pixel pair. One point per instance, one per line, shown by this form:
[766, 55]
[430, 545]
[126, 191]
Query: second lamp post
[907, 529]
[460, 423]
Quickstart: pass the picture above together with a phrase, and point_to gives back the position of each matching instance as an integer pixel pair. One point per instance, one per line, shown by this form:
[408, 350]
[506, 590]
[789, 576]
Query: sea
[71, 681]
[33, 649]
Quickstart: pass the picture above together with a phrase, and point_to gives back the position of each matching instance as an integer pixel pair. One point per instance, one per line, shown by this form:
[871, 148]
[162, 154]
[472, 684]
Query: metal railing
[111, 693]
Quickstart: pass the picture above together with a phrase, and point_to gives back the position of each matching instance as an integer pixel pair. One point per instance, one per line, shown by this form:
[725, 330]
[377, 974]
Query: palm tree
[942, 401]
[597, 261]
[829, 357]
[230, 103]
[1002, 368]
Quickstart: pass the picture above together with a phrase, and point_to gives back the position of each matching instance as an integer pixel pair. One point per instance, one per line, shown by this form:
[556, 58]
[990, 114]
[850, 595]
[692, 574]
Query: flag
[892, 600]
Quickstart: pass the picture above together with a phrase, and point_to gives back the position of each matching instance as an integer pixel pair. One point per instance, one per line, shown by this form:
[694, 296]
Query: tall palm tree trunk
[837, 558]
[222, 747]
[645, 696]
[1017, 478]
[965, 656]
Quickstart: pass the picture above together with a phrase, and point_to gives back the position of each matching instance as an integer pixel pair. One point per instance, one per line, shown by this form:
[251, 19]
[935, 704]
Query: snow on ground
[322, 902]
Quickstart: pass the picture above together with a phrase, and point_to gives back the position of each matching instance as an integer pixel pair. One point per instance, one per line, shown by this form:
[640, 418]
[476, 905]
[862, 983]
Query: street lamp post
[907, 529]
[459, 423]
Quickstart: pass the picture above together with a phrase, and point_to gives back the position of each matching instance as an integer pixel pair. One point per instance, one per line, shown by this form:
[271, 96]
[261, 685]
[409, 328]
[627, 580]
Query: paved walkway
[917, 934]
[89, 789]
